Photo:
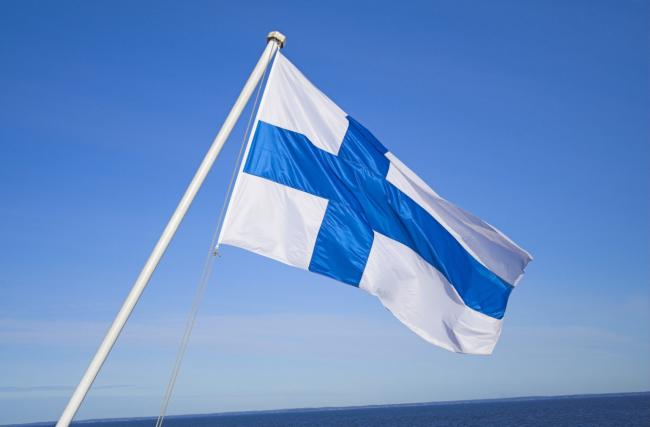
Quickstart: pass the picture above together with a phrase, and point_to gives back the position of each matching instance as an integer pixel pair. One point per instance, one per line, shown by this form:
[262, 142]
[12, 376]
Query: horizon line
[353, 407]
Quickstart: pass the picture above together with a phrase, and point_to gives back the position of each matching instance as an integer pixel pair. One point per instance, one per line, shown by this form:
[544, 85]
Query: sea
[630, 409]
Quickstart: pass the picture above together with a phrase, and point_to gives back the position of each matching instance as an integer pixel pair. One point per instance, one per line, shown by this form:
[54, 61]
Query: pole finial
[278, 37]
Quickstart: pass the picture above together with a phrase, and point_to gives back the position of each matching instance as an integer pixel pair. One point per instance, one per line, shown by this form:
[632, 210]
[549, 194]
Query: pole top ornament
[278, 37]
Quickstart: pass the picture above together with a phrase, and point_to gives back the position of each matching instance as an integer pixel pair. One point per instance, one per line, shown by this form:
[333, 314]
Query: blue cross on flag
[316, 190]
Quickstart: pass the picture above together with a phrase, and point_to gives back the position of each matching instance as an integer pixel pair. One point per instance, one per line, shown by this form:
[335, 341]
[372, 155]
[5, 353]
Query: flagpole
[275, 41]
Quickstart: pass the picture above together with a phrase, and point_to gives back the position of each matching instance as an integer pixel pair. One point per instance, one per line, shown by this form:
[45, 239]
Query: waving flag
[318, 191]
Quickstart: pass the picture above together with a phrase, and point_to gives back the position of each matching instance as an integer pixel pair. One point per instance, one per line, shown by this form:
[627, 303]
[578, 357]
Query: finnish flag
[316, 190]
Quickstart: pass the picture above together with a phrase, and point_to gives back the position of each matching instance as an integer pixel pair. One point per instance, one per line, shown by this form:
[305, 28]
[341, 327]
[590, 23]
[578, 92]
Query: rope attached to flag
[207, 268]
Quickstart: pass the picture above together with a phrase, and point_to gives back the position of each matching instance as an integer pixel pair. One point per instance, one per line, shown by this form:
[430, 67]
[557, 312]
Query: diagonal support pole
[275, 40]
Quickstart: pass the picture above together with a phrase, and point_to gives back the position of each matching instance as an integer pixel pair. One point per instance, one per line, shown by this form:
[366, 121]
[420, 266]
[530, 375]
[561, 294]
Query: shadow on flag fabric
[316, 190]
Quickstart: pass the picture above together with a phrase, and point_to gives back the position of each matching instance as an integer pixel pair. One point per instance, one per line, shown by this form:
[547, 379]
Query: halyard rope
[207, 267]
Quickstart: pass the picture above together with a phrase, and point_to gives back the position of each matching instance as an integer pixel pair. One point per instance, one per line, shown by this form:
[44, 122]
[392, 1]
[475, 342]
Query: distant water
[573, 411]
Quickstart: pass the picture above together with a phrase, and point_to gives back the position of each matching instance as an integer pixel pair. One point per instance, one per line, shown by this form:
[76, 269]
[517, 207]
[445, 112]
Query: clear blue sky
[532, 115]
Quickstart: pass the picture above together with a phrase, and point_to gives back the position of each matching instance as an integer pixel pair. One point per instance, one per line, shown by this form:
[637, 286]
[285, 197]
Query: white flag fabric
[316, 190]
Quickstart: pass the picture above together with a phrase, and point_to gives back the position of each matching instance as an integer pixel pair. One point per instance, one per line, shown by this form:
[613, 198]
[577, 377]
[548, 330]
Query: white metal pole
[275, 40]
